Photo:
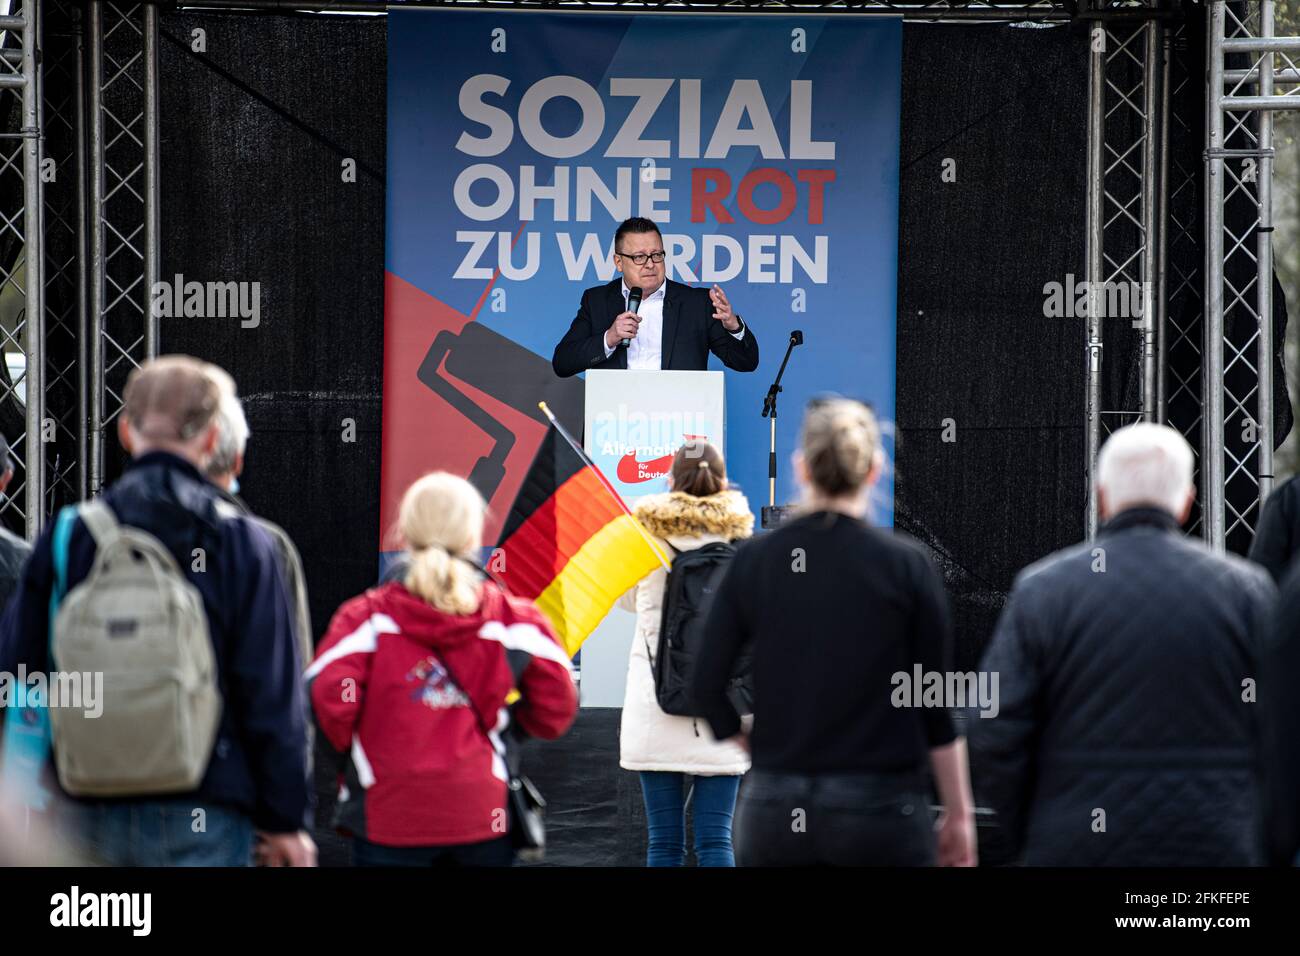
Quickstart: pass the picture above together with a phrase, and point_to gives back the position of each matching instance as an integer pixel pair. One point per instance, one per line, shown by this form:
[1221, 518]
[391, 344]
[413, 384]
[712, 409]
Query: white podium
[634, 422]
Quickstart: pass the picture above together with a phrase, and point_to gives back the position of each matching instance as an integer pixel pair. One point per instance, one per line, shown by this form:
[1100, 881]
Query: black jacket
[690, 333]
[259, 763]
[14, 552]
[1281, 708]
[833, 609]
[1121, 665]
[1278, 536]
[291, 570]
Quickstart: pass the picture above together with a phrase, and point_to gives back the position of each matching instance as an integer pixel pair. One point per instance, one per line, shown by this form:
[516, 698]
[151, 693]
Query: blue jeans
[665, 811]
[180, 832]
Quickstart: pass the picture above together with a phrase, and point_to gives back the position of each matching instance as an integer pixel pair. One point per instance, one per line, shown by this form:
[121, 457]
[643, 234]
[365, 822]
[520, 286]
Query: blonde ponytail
[441, 520]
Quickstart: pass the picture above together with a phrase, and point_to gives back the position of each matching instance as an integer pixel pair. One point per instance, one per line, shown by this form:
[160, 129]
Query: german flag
[570, 544]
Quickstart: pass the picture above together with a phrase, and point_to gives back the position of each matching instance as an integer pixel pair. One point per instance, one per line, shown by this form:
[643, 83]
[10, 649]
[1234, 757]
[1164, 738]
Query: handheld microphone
[633, 306]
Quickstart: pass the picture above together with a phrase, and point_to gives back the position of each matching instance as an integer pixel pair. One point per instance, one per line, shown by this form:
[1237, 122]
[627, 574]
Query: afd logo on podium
[636, 420]
[635, 468]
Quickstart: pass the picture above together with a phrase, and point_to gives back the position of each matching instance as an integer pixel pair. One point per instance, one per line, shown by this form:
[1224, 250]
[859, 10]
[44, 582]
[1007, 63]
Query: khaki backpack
[138, 621]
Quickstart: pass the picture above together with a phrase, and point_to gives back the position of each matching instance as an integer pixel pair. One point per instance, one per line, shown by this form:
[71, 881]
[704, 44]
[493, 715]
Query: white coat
[649, 739]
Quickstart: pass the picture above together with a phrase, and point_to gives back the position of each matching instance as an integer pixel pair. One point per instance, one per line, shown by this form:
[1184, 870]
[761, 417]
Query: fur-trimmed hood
[677, 514]
[649, 739]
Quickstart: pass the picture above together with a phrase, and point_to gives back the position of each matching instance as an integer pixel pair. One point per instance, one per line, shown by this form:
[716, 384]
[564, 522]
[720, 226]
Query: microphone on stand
[633, 306]
[773, 515]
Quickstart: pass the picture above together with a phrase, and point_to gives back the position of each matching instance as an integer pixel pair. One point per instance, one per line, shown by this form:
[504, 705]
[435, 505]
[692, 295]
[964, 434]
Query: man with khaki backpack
[177, 600]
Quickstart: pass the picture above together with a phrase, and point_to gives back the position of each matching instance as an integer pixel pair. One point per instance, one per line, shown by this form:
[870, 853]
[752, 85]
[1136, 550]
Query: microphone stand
[772, 515]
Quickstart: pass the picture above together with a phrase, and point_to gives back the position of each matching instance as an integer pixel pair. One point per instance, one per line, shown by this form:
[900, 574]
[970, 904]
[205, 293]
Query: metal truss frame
[83, 227]
[20, 271]
[123, 209]
[64, 206]
[1239, 315]
[1180, 318]
[1126, 145]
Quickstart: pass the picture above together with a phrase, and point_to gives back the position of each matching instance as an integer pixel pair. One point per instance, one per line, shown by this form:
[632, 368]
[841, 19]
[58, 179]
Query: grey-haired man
[14, 551]
[223, 470]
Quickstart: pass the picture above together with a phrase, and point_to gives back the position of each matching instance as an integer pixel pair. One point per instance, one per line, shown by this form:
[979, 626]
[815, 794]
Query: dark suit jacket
[690, 333]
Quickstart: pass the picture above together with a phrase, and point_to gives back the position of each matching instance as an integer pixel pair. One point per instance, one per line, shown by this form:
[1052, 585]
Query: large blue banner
[765, 147]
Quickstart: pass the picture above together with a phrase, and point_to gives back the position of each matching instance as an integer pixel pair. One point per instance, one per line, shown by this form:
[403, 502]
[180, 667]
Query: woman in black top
[840, 616]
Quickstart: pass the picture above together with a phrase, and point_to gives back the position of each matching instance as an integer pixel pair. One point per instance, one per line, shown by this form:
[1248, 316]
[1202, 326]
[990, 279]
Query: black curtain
[254, 135]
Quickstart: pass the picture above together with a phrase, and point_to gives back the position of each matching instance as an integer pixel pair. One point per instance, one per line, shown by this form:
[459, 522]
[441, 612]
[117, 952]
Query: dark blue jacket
[14, 552]
[259, 763]
[1127, 669]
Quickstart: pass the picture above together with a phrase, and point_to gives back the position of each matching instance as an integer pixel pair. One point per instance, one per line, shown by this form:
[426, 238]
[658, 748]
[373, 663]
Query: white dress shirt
[647, 349]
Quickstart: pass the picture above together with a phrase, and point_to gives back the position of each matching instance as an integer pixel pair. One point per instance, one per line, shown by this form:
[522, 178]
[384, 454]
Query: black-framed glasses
[641, 257]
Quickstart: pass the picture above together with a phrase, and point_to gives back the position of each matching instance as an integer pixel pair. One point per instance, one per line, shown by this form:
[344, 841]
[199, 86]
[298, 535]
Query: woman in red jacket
[411, 683]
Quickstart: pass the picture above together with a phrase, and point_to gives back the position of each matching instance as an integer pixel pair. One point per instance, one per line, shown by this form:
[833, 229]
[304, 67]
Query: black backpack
[688, 594]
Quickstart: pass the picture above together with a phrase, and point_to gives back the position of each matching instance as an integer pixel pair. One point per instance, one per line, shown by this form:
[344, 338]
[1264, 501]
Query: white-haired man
[1127, 732]
[223, 470]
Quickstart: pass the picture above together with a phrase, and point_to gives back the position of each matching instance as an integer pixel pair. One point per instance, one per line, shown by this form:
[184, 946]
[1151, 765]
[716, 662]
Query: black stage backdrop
[254, 134]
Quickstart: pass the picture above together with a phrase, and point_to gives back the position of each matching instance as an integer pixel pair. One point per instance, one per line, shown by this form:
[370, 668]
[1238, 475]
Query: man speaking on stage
[673, 326]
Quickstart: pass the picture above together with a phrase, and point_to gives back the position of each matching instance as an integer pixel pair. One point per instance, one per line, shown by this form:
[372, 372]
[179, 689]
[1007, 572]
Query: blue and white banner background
[765, 147]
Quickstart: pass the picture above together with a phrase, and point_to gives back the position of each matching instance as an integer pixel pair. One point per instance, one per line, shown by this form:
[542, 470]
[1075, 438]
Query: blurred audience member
[701, 509]
[410, 686]
[256, 770]
[1128, 733]
[835, 608]
[1281, 708]
[223, 470]
[14, 551]
[1277, 538]
[27, 839]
